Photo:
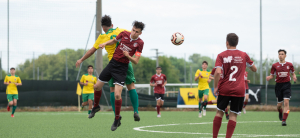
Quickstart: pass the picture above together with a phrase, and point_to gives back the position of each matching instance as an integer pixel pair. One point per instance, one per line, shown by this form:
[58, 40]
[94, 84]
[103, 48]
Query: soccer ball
[177, 38]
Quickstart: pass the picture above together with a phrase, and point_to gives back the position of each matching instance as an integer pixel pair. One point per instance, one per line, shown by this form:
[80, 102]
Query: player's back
[233, 63]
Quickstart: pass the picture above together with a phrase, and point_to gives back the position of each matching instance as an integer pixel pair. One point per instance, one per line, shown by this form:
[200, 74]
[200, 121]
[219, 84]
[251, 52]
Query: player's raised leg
[14, 105]
[97, 95]
[118, 104]
[206, 91]
[286, 111]
[134, 100]
[246, 101]
[200, 95]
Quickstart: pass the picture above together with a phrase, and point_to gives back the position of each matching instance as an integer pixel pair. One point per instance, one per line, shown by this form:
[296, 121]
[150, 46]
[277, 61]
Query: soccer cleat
[200, 115]
[204, 112]
[12, 115]
[8, 108]
[283, 123]
[136, 116]
[158, 115]
[116, 124]
[81, 108]
[280, 116]
[227, 117]
[244, 110]
[93, 112]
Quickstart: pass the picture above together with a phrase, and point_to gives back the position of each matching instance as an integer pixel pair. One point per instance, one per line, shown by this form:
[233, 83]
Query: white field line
[142, 128]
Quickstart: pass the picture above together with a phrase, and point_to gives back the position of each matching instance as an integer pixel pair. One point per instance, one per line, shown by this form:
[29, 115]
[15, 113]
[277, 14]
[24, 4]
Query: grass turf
[185, 124]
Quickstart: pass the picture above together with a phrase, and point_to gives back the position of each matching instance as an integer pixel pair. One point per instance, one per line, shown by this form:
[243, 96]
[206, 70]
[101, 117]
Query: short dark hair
[138, 24]
[12, 68]
[158, 67]
[90, 66]
[106, 21]
[282, 50]
[204, 62]
[232, 39]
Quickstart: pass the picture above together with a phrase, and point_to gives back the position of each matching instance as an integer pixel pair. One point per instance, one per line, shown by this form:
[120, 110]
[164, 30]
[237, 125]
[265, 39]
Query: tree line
[53, 67]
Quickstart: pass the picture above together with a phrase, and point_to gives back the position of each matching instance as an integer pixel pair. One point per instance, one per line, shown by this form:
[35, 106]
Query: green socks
[199, 107]
[14, 109]
[89, 111]
[112, 101]
[204, 107]
[134, 98]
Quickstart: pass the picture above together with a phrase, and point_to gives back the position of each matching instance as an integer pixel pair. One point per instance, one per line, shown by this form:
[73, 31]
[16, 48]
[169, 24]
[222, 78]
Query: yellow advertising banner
[188, 98]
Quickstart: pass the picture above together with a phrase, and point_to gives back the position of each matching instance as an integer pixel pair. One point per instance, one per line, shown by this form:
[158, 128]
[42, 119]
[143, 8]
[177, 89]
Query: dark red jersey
[159, 80]
[282, 71]
[233, 62]
[127, 44]
[246, 79]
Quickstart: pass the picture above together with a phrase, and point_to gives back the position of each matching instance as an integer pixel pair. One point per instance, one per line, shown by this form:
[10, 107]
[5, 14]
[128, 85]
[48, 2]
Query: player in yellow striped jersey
[111, 33]
[12, 81]
[88, 81]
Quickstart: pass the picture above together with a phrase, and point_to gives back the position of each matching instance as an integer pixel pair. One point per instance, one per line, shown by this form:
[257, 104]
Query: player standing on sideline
[111, 33]
[282, 70]
[129, 44]
[233, 62]
[246, 91]
[12, 81]
[203, 87]
[88, 81]
[215, 101]
[159, 81]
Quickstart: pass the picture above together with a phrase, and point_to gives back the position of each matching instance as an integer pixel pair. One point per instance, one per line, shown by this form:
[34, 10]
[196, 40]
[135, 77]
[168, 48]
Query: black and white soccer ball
[177, 38]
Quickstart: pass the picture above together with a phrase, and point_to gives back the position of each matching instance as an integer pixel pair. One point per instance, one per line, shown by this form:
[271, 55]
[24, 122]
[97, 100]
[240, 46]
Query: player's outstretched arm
[86, 55]
[294, 77]
[253, 68]
[134, 60]
[270, 77]
[217, 76]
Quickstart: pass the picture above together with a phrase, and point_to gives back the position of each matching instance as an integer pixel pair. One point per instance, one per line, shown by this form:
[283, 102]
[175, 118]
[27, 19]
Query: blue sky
[47, 26]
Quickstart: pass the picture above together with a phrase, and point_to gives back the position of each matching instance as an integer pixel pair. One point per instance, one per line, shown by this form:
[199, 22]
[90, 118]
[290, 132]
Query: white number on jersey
[235, 68]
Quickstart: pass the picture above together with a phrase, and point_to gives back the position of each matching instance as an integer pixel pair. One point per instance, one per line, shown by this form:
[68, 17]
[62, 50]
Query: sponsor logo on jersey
[125, 48]
[228, 59]
[125, 37]
[161, 77]
[287, 67]
[159, 82]
[283, 74]
[92, 78]
[135, 44]
[278, 66]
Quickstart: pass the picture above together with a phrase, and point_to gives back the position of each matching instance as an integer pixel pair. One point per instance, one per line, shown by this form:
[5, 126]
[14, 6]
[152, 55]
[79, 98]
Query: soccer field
[171, 124]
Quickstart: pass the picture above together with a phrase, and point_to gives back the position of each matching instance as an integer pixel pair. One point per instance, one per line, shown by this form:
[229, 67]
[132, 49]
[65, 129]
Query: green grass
[77, 125]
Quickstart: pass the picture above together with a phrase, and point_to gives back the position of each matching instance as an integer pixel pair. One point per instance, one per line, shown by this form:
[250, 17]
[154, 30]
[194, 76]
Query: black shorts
[159, 96]
[283, 91]
[115, 70]
[236, 103]
[247, 91]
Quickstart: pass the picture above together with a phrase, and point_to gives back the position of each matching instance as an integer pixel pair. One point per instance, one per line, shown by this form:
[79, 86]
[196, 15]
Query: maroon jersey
[159, 80]
[246, 79]
[282, 71]
[127, 44]
[233, 62]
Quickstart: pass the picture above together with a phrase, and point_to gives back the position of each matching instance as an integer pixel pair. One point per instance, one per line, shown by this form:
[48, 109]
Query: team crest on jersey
[228, 59]
[161, 77]
[135, 44]
[287, 67]
[206, 73]
[92, 78]
[278, 66]
[15, 79]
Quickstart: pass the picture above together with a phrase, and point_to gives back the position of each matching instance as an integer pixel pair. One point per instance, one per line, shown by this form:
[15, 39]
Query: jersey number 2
[235, 68]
